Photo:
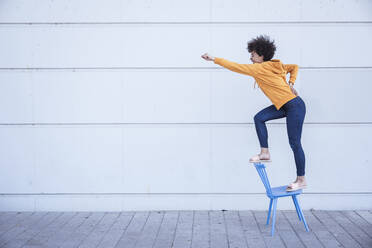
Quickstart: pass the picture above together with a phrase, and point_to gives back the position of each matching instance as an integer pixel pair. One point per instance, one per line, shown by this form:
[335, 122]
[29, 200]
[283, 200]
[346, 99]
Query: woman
[270, 75]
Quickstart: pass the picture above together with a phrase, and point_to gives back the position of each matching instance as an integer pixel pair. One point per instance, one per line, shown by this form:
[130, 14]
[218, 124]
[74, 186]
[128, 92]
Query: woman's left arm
[247, 69]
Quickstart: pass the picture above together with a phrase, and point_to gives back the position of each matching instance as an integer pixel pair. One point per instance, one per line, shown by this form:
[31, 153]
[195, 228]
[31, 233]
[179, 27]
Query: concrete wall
[109, 106]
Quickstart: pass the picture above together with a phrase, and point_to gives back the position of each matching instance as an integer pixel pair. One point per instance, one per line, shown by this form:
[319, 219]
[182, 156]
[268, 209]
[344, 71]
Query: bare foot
[260, 157]
[298, 184]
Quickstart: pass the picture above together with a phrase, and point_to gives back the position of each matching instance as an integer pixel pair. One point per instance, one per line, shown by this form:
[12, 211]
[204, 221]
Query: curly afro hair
[262, 45]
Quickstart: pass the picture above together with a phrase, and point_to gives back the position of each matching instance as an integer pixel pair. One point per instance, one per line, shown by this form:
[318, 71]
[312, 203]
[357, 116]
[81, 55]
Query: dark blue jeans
[295, 111]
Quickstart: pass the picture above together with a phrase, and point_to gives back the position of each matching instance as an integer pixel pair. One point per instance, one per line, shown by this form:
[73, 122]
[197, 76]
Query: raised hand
[207, 57]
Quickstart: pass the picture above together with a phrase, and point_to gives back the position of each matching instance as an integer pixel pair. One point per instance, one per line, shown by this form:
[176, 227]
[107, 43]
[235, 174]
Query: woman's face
[255, 58]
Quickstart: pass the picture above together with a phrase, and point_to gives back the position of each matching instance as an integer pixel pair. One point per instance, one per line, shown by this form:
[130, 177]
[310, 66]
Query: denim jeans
[294, 110]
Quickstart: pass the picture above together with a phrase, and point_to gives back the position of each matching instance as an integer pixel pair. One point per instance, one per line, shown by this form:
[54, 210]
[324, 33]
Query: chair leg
[268, 215]
[294, 203]
[274, 216]
[301, 214]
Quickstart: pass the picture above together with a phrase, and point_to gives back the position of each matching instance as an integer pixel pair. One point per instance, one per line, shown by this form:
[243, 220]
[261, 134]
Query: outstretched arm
[247, 69]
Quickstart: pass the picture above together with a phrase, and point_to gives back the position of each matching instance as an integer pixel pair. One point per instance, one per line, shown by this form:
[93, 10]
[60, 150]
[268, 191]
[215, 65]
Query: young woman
[270, 75]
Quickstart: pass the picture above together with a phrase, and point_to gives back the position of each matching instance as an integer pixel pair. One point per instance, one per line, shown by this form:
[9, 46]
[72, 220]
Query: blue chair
[275, 193]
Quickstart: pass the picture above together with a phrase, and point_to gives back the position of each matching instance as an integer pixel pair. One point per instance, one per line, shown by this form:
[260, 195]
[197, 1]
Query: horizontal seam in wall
[185, 23]
[159, 123]
[87, 194]
[167, 68]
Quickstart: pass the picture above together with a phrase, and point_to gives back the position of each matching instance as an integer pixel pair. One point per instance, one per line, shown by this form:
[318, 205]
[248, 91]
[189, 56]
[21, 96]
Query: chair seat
[281, 191]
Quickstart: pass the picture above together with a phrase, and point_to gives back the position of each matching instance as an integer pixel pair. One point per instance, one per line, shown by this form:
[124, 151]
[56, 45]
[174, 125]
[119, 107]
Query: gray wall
[109, 106]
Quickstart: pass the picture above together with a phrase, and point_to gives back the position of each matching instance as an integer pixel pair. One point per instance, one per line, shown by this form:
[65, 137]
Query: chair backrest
[265, 180]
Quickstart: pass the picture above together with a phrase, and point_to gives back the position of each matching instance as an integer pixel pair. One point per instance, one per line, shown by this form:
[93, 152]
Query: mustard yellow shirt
[270, 77]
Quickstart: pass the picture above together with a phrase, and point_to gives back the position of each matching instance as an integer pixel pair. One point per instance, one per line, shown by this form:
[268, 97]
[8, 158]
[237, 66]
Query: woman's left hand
[207, 57]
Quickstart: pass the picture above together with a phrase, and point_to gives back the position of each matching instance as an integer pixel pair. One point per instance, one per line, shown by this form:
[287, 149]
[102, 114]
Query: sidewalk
[182, 229]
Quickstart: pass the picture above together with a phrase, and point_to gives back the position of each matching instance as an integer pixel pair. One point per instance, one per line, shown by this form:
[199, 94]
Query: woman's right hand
[293, 90]
[207, 57]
